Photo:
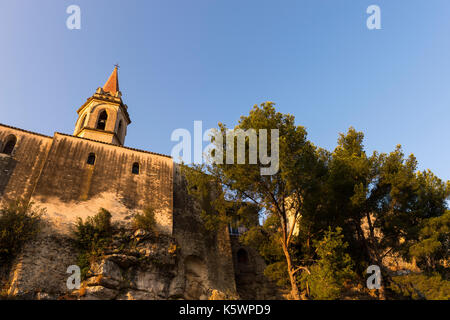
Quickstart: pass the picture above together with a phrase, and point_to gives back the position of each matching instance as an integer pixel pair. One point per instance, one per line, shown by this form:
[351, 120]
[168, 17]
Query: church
[73, 176]
[89, 169]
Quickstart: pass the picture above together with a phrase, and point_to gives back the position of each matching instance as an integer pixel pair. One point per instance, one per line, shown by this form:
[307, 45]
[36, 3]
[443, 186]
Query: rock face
[40, 270]
[193, 263]
[143, 271]
[205, 257]
[137, 265]
[188, 263]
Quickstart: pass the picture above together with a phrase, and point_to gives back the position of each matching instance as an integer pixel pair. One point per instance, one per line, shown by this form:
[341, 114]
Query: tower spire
[112, 84]
[109, 122]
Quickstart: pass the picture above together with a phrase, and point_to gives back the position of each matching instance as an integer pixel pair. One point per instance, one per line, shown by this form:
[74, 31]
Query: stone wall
[20, 171]
[69, 187]
[54, 173]
[190, 264]
[40, 270]
[205, 257]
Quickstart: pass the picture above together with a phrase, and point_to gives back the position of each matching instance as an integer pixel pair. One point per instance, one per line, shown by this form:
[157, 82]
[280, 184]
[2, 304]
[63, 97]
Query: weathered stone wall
[40, 270]
[69, 187]
[251, 283]
[54, 173]
[191, 264]
[20, 171]
[205, 257]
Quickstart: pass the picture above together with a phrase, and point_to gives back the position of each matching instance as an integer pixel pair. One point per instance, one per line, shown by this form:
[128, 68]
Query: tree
[333, 268]
[281, 194]
[433, 245]
[380, 201]
[265, 240]
[384, 193]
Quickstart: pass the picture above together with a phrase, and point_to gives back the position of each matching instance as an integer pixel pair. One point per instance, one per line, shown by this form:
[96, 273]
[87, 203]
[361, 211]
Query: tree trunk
[294, 288]
[377, 257]
[381, 291]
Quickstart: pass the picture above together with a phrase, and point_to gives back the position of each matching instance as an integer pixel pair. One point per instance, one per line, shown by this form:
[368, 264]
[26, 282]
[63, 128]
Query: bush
[145, 221]
[278, 272]
[333, 268]
[433, 245]
[219, 295]
[92, 237]
[19, 222]
[431, 286]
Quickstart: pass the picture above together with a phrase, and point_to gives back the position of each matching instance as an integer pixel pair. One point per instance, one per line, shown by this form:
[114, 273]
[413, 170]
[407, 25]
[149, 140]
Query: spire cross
[117, 66]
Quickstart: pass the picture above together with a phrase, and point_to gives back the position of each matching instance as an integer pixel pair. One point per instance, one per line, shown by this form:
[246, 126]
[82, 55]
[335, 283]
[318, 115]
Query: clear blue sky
[213, 60]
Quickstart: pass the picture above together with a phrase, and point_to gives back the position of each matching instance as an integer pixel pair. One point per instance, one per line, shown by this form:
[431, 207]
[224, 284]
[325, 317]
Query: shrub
[145, 221]
[219, 295]
[432, 286]
[278, 272]
[92, 237]
[433, 245]
[19, 222]
[333, 268]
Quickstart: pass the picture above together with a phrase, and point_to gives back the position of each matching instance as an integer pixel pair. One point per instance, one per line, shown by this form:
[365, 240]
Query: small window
[120, 126]
[10, 144]
[135, 169]
[91, 159]
[101, 124]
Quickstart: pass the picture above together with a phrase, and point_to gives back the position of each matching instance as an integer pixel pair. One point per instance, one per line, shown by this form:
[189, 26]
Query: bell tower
[104, 117]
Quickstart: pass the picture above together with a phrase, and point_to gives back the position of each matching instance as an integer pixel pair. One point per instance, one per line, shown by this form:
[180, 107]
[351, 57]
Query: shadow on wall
[7, 162]
[196, 275]
[7, 166]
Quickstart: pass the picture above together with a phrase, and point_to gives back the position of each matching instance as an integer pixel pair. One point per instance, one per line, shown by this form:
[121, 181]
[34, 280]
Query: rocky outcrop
[39, 272]
[137, 266]
[190, 263]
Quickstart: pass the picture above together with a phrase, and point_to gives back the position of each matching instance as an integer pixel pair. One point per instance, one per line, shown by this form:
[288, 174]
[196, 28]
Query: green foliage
[19, 222]
[431, 286]
[433, 246]
[318, 189]
[385, 188]
[145, 221]
[206, 190]
[264, 240]
[278, 272]
[333, 267]
[92, 237]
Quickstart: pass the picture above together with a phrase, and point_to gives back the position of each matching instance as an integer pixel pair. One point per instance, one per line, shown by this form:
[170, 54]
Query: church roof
[112, 85]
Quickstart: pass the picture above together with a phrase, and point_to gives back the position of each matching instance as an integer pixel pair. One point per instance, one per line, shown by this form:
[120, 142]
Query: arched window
[242, 256]
[91, 159]
[135, 169]
[83, 121]
[120, 126]
[10, 144]
[101, 124]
